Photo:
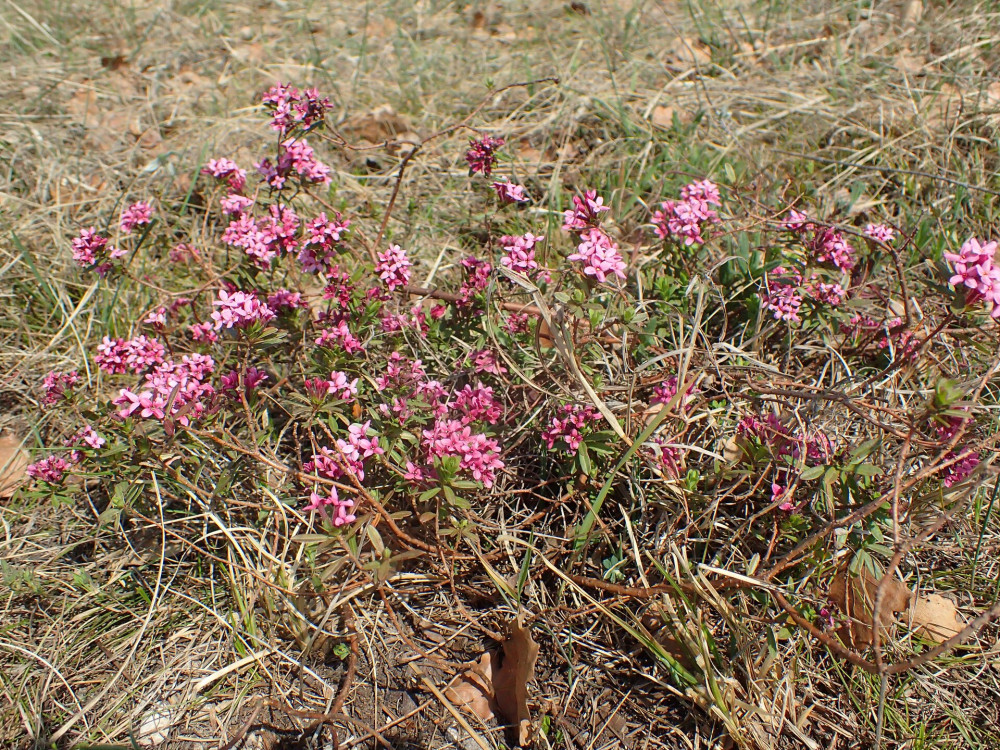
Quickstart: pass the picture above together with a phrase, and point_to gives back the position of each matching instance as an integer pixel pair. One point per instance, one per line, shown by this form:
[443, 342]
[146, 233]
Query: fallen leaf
[473, 689]
[13, 465]
[510, 682]
[936, 618]
[381, 124]
[854, 596]
[688, 52]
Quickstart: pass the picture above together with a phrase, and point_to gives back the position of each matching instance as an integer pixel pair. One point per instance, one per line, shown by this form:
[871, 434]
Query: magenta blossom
[482, 155]
[599, 255]
[508, 192]
[138, 214]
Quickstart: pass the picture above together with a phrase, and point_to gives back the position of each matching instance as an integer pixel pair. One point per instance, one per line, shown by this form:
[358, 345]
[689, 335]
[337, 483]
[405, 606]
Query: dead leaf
[854, 596]
[936, 618]
[688, 52]
[510, 682]
[381, 124]
[473, 690]
[13, 466]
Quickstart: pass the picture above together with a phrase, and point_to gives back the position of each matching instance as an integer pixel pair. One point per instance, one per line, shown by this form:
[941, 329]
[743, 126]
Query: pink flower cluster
[228, 170]
[290, 107]
[341, 508]
[266, 239]
[477, 278]
[321, 244]
[349, 456]
[880, 233]
[568, 426]
[172, 387]
[482, 154]
[974, 270]
[57, 384]
[509, 192]
[784, 292]
[138, 214]
[781, 294]
[341, 386]
[485, 361]
[118, 356]
[598, 252]
[816, 448]
[686, 219]
[478, 454]
[665, 391]
[51, 469]
[477, 404]
[229, 383]
[600, 255]
[92, 251]
[240, 310]
[519, 252]
[826, 244]
[337, 332]
[393, 267]
[297, 157]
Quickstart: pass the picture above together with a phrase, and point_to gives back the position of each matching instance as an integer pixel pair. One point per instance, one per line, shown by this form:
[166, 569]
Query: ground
[216, 627]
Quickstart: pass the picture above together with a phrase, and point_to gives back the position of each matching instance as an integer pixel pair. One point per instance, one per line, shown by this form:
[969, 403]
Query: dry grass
[204, 618]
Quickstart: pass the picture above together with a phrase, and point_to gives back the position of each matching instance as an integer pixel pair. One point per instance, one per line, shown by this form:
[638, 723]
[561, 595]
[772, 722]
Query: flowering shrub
[306, 354]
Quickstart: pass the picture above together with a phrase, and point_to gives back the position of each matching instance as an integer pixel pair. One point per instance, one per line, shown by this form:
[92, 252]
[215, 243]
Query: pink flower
[975, 270]
[599, 255]
[341, 335]
[568, 426]
[296, 157]
[520, 252]
[832, 247]
[781, 294]
[485, 361]
[777, 493]
[586, 212]
[49, 469]
[880, 233]
[393, 267]
[479, 455]
[961, 469]
[482, 155]
[57, 385]
[282, 299]
[156, 318]
[235, 205]
[477, 404]
[90, 248]
[341, 512]
[290, 107]
[704, 191]
[145, 403]
[203, 332]
[226, 169]
[338, 385]
[239, 309]
[796, 221]
[508, 192]
[138, 214]
[119, 356]
[477, 279]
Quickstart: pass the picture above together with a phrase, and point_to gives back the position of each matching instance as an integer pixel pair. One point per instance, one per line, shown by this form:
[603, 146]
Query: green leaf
[813, 472]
